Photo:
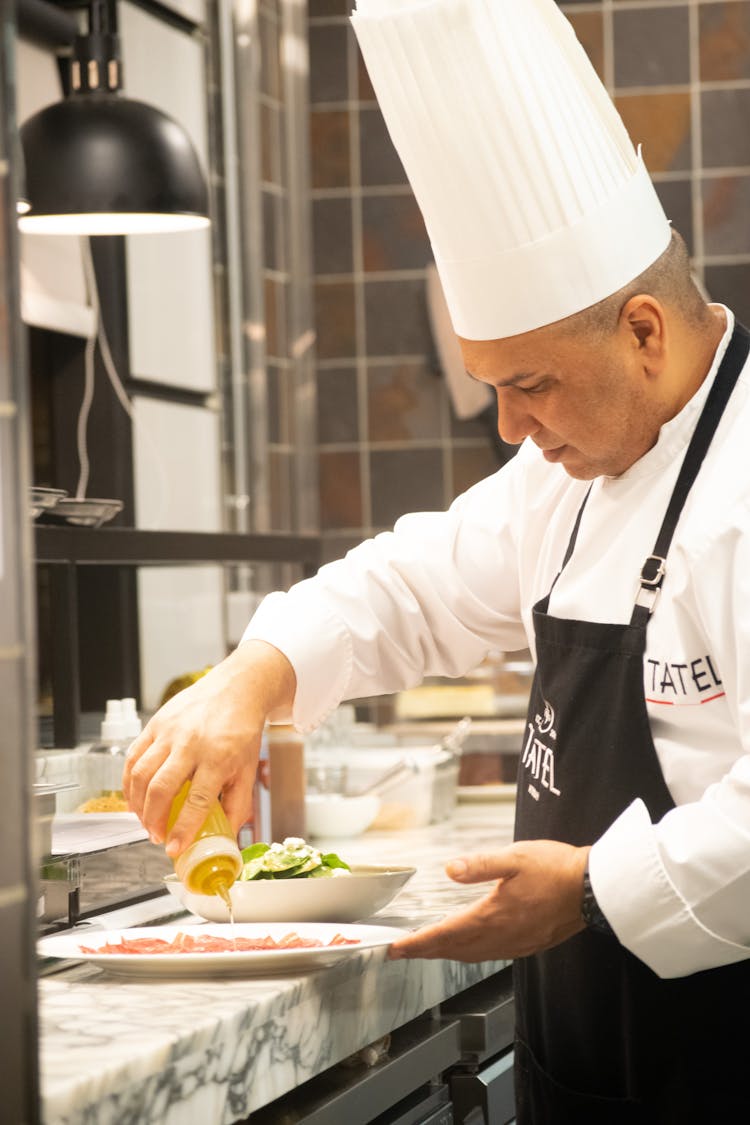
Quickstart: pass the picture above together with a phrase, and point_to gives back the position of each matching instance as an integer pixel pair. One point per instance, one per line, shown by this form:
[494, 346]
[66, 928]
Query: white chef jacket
[433, 596]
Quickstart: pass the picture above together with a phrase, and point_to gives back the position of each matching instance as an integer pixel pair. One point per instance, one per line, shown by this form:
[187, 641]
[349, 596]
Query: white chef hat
[536, 202]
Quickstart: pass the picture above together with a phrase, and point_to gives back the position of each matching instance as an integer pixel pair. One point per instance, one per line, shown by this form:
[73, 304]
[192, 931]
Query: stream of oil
[226, 898]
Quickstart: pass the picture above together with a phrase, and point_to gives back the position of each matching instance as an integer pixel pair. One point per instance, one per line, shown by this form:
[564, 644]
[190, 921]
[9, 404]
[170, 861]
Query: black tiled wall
[388, 441]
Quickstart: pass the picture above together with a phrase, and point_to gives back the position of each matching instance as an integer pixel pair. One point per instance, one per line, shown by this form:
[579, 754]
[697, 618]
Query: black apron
[600, 1038]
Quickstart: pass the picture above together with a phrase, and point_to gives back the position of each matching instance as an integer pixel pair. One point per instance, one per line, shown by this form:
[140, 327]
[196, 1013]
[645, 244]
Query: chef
[615, 545]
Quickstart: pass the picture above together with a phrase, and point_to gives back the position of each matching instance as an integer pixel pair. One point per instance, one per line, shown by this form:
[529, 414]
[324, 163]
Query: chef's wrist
[591, 913]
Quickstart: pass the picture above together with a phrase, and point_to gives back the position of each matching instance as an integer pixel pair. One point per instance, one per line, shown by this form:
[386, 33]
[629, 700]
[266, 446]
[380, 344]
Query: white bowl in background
[329, 815]
[342, 898]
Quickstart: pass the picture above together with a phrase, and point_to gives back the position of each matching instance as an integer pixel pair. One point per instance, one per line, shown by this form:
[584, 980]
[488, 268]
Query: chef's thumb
[479, 868]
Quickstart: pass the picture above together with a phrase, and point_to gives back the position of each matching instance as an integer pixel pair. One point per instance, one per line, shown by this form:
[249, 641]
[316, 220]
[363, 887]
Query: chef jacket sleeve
[677, 893]
[430, 598]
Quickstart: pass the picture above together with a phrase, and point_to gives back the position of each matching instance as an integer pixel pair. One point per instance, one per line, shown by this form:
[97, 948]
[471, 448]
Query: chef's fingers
[205, 786]
[237, 799]
[141, 771]
[483, 868]
[135, 751]
[460, 937]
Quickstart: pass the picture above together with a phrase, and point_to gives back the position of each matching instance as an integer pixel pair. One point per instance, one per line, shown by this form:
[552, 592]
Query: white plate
[479, 793]
[341, 898]
[266, 962]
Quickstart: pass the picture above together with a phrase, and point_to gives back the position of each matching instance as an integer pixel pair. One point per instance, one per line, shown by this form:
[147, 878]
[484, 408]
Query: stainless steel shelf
[124, 546]
[68, 550]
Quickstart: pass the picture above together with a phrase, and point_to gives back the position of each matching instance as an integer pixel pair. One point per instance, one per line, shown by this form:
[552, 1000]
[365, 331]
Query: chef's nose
[514, 419]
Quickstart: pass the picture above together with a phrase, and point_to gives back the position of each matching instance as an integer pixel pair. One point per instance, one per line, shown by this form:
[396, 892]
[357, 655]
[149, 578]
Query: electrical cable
[83, 418]
[100, 336]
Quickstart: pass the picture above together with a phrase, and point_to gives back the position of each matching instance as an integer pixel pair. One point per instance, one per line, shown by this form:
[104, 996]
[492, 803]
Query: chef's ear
[644, 321]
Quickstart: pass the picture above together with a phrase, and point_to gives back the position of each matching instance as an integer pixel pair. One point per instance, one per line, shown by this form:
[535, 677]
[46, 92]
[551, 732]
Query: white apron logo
[538, 756]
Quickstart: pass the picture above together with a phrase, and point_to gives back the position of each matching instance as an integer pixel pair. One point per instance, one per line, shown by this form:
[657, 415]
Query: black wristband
[591, 912]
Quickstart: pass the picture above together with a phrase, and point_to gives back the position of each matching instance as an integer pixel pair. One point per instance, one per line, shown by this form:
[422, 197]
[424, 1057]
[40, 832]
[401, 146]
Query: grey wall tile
[404, 401]
[724, 41]
[405, 480]
[730, 284]
[396, 318]
[726, 137]
[338, 406]
[328, 63]
[329, 148]
[335, 320]
[333, 250]
[589, 29]
[340, 490]
[379, 161]
[661, 122]
[393, 233]
[275, 313]
[280, 476]
[726, 215]
[280, 412]
[365, 91]
[652, 47]
[470, 464]
[274, 231]
[677, 200]
[270, 143]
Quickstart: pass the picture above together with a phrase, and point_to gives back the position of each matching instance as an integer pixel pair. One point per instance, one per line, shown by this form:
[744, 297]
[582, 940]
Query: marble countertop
[210, 1051]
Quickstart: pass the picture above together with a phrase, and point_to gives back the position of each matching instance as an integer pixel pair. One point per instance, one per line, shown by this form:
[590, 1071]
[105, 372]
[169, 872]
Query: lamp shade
[104, 164]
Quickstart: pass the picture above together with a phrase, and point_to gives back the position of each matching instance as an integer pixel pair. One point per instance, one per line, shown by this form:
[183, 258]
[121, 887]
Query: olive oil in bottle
[213, 861]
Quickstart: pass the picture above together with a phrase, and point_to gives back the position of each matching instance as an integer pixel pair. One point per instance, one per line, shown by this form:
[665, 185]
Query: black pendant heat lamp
[100, 163]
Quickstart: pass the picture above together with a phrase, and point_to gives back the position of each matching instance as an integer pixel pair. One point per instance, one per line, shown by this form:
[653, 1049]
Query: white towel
[468, 397]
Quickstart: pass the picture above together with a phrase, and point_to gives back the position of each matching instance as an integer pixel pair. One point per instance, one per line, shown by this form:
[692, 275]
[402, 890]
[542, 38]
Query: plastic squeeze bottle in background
[286, 760]
[213, 861]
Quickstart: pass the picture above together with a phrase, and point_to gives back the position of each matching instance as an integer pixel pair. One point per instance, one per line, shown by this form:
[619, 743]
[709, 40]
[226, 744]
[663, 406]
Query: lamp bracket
[96, 65]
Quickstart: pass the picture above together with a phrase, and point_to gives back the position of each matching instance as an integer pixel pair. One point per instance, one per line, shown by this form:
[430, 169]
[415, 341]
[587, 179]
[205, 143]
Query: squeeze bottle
[286, 760]
[213, 861]
[106, 758]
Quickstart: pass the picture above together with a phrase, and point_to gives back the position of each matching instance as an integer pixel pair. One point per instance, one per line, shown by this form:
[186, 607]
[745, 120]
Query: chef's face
[591, 405]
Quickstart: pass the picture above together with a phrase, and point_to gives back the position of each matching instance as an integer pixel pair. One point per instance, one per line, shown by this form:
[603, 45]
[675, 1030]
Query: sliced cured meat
[208, 943]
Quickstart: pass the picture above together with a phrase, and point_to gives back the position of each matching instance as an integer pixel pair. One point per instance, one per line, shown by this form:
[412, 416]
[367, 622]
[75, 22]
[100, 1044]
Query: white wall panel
[181, 610]
[194, 10]
[176, 462]
[181, 622]
[170, 293]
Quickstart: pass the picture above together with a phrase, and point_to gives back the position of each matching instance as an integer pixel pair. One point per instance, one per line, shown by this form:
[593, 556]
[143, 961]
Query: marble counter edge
[253, 1040]
[212, 1051]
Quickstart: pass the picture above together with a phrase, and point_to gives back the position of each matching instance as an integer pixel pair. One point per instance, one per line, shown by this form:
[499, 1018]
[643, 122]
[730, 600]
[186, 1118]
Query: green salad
[294, 859]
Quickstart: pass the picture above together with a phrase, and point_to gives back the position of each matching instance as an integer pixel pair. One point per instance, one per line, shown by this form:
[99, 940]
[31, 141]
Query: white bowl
[341, 898]
[331, 815]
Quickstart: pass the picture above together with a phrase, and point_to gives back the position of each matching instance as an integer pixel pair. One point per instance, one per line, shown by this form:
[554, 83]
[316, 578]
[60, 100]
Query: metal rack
[65, 549]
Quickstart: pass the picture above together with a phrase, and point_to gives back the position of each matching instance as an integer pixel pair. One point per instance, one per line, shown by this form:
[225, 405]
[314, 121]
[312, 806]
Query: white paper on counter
[80, 833]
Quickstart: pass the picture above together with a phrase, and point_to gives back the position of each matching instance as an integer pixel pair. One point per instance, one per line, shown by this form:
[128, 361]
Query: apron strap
[655, 566]
[571, 543]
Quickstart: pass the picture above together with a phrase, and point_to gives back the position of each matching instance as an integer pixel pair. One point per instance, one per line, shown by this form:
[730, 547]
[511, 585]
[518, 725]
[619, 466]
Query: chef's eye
[536, 388]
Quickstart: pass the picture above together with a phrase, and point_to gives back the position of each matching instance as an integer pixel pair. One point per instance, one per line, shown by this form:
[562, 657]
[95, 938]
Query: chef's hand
[534, 904]
[209, 733]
